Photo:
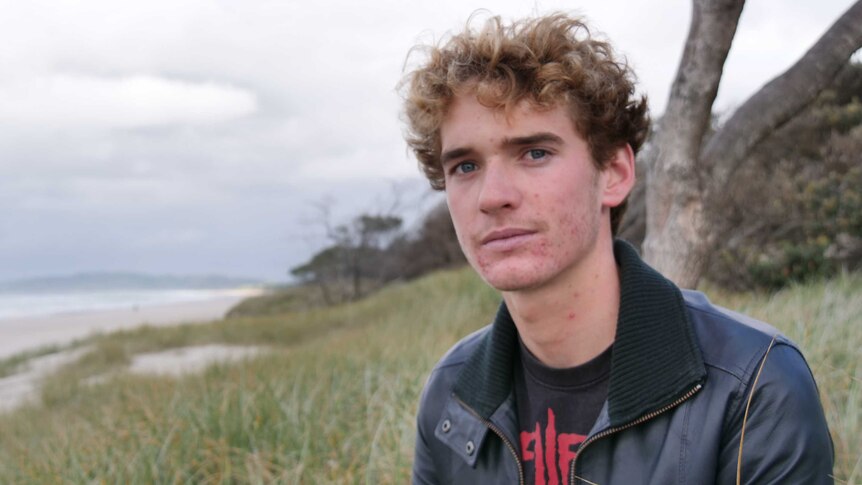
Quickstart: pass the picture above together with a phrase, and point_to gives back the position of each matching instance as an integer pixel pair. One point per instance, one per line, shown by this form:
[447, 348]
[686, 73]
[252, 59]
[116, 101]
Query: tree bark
[675, 241]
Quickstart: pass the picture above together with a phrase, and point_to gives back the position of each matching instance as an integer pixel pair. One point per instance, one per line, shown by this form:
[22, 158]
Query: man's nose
[499, 188]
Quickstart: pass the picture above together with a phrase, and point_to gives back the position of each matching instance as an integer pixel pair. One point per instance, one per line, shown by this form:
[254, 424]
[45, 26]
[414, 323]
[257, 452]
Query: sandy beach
[28, 333]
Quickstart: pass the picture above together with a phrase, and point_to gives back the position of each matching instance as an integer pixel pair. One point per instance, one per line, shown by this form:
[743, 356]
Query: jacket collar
[655, 360]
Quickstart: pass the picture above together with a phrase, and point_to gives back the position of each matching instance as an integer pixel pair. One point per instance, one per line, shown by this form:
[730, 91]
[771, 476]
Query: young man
[596, 369]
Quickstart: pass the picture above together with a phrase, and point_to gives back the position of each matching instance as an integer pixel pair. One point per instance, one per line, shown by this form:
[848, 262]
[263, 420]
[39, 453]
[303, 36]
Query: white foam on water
[16, 305]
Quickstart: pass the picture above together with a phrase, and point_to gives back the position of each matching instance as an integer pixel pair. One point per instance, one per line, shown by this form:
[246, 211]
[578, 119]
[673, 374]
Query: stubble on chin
[506, 273]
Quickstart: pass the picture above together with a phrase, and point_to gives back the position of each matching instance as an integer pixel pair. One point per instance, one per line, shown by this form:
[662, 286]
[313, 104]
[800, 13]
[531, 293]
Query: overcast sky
[172, 136]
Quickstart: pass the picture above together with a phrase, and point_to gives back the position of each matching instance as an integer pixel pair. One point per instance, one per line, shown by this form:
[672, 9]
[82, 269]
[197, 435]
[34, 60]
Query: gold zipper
[499, 433]
[610, 431]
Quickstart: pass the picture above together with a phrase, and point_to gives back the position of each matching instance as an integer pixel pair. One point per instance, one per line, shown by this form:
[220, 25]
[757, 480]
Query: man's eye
[465, 167]
[537, 153]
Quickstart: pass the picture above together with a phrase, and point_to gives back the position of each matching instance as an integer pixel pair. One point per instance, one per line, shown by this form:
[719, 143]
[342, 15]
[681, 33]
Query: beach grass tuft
[13, 364]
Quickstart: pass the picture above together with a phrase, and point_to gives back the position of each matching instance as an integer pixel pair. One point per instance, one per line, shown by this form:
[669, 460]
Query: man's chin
[511, 280]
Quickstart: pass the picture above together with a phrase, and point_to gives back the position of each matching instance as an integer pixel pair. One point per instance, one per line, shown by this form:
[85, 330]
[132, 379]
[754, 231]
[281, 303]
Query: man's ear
[618, 176]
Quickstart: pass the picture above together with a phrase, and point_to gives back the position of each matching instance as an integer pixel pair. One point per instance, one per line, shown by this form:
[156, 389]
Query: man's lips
[506, 238]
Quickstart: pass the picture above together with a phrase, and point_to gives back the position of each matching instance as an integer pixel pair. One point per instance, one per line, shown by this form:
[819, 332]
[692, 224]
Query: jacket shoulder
[788, 438]
[460, 352]
[442, 378]
[730, 341]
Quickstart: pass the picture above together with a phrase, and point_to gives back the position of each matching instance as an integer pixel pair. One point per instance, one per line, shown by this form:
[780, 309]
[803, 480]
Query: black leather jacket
[681, 374]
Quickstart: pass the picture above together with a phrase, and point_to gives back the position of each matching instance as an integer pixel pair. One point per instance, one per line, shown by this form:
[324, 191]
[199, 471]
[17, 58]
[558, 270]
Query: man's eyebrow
[454, 153]
[544, 137]
[518, 141]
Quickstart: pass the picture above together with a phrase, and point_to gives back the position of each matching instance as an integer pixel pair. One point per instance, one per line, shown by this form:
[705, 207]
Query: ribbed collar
[655, 358]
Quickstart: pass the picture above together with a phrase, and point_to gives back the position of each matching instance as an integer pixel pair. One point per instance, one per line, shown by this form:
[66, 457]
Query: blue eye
[537, 153]
[466, 167]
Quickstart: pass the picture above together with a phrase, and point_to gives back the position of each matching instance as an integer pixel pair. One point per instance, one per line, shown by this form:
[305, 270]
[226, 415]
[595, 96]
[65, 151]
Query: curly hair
[548, 61]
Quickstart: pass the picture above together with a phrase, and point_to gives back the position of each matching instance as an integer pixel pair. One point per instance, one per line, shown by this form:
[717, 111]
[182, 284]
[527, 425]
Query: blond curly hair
[548, 61]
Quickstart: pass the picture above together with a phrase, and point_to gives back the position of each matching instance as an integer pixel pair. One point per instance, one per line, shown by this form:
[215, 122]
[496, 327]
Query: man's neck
[572, 319]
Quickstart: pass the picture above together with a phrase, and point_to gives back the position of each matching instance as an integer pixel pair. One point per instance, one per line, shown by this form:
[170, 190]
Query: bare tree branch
[686, 119]
[783, 97]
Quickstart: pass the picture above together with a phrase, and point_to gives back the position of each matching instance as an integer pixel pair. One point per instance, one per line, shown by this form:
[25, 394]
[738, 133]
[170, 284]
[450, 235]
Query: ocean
[16, 305]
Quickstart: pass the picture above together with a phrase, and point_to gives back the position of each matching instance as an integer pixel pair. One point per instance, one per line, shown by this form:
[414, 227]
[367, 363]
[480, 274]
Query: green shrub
[794, 210]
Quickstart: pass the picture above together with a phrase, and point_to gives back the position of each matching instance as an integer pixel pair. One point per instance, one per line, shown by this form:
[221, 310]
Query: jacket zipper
[610, 431]
[499, 433]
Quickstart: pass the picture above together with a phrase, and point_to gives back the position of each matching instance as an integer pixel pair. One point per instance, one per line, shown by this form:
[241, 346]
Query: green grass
[335, 399]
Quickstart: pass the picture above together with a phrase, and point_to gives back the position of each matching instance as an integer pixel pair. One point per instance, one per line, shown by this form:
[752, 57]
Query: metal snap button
[470, 448]
[446, 426]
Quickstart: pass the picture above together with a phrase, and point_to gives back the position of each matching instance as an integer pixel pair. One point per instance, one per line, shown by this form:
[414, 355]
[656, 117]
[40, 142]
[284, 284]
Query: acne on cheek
[541, 249]
[482, 262]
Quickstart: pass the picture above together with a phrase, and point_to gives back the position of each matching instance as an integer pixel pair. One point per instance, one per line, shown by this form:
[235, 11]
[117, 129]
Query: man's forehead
[467, 114]
[500, 102]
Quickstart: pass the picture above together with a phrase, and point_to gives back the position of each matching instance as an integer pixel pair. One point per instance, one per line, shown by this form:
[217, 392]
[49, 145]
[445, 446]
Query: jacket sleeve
[424, 471]
[423, 466]
[786, 439]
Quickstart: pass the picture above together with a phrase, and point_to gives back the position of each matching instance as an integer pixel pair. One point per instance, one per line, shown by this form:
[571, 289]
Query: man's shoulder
[455, 357]
[699, 303]
[442, 378]
[731, 341]
[786, 426]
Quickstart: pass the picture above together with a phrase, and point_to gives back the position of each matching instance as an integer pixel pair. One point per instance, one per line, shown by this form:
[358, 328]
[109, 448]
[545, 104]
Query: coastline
[21, 334]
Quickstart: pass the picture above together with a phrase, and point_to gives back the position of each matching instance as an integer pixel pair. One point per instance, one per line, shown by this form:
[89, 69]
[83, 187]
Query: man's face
[525, 197]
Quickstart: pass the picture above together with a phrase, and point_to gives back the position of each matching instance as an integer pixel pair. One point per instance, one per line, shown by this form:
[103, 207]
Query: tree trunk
[327, 298]
[675, 236]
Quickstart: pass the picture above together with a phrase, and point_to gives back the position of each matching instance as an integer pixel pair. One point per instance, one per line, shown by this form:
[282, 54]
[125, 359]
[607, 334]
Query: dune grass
[335, 399]
[280, 301]
[12, 364]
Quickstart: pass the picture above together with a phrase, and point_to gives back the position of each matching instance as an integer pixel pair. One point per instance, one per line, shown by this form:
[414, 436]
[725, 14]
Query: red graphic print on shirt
[552, 453]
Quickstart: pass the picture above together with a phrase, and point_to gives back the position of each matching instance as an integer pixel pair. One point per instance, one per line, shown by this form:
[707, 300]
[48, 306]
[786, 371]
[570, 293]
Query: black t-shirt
[556, 410]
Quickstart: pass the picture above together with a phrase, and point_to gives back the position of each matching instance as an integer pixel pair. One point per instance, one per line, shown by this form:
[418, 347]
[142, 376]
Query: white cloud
[78, 101]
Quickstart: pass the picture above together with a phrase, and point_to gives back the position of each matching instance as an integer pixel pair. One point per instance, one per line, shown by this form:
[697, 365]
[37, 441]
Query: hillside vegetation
[334, 400]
